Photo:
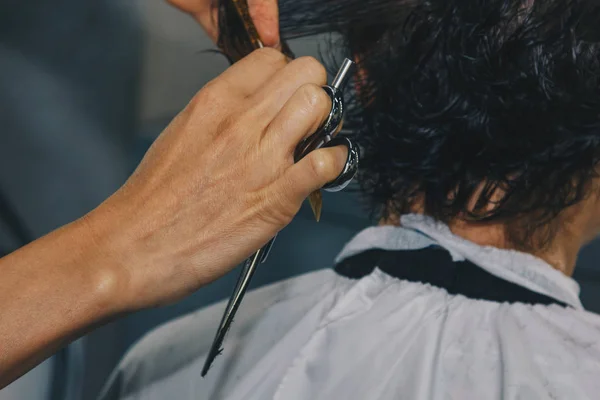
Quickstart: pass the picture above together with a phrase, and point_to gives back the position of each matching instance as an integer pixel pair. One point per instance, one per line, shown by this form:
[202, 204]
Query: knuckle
[209, 95]
[227, 124]
[313, 67]
[269, 56]
[321, 164]
[313, 96]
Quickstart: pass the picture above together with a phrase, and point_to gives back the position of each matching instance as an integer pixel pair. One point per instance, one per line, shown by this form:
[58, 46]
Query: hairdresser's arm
[264, 14]
[216, 185]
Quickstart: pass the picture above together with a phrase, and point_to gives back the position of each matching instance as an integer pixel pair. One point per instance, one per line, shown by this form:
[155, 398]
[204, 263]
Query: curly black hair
[459, 99]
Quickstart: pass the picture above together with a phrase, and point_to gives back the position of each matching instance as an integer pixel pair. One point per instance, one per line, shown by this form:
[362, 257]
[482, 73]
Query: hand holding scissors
[238, 37]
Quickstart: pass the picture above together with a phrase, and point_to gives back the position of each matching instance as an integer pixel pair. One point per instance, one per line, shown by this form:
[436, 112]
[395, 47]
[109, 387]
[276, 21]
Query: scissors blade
[234, 302]
[316, 203]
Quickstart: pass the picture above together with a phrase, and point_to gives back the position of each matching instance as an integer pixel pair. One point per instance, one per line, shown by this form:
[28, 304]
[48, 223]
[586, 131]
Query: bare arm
[51, 292]
[217, 184]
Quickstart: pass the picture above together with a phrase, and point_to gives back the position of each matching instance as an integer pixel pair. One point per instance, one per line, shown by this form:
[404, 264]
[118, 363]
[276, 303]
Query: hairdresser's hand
[264, 13]
[216, 185]
[220, 180]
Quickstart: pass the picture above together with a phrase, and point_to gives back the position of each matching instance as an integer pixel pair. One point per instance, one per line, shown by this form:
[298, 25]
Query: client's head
[477, 112]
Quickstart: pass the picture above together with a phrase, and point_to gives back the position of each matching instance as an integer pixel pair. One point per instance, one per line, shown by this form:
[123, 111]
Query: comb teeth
[316, 203]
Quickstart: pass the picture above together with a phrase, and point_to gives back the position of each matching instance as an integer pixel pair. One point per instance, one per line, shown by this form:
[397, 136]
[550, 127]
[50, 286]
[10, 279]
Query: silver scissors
[325, 136]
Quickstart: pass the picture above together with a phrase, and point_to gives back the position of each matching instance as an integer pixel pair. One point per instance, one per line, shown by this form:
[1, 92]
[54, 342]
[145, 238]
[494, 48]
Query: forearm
[52, 291]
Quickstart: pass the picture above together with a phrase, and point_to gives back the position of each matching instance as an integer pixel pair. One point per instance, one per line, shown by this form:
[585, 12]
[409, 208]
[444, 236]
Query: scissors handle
[235, 300]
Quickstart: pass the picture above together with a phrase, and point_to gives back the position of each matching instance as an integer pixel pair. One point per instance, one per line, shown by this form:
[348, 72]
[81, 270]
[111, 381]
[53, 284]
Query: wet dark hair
[456, 94]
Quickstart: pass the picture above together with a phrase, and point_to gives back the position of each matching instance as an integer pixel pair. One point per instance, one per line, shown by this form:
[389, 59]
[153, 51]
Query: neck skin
[577, 226]
[561, 254]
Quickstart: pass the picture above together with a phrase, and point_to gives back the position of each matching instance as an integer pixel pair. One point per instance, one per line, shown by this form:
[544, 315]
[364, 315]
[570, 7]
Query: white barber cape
[378, 337]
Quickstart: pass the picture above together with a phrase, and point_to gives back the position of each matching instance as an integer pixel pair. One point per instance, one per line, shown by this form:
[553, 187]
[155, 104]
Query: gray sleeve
[112, 390]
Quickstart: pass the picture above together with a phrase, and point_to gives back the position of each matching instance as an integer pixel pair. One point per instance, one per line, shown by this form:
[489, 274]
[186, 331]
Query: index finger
[265, 15]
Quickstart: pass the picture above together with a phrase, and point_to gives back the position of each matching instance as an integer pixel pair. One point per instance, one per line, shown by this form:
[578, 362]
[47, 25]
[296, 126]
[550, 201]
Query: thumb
[314, 171]
[265, 15]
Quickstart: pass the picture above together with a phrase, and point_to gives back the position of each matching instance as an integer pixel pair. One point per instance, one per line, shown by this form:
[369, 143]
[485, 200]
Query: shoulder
[174, 345]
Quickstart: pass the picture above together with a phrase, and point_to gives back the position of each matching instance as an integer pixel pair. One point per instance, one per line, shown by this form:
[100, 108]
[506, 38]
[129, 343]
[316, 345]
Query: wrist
[136, 267]
[104, 254]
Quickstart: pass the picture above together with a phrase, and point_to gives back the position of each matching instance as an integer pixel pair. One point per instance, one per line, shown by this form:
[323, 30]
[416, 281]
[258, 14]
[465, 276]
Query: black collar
[434, 265]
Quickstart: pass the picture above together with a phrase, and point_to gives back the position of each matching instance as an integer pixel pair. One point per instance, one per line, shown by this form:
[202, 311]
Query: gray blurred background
[85, 86]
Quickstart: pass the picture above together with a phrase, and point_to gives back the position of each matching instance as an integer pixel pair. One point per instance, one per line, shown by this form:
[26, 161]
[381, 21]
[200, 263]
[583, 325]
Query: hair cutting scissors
[238, 37]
